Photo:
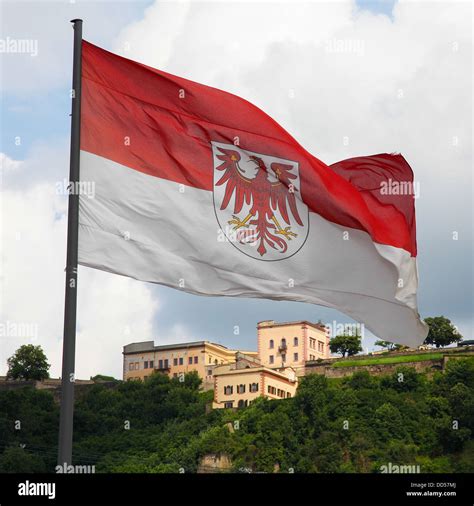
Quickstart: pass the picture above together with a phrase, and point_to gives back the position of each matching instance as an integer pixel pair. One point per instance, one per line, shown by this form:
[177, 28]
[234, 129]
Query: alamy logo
[70, 469]
[36, 489]
[399, 469]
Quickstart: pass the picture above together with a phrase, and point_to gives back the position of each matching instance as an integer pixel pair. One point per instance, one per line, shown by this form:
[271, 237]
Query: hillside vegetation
[355, 424]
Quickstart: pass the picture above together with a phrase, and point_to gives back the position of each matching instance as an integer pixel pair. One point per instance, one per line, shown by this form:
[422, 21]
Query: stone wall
[53, 385]
[428, 366]
[326, 368]
[213, 463]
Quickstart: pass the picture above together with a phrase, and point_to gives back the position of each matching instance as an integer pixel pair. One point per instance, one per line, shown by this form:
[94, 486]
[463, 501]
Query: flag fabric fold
[200, 190]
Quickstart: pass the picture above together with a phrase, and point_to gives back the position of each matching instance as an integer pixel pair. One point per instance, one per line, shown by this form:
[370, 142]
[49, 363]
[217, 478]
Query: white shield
[256, 225]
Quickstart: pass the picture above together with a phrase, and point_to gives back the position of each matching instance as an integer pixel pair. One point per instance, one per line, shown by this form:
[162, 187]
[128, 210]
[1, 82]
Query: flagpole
[70, 304]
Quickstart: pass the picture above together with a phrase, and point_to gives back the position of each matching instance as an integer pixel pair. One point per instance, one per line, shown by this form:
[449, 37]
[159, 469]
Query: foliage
[389, 360]
[161, 425]
[29, 363]
[346, 344]
[102, 377]
[17, 460]
[442, 332]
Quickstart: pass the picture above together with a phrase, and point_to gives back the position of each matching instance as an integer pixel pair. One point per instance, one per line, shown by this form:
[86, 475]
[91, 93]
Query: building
[291, 344]
[236, 385]
[142, 359]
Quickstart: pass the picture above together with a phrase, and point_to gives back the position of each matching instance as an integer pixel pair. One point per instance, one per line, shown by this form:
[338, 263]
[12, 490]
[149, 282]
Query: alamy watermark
[391, 187]
[353, 46]
[390, 468]
[70, 469]
[18, 329]
[19, 46]
[86, 188]
[348, 329]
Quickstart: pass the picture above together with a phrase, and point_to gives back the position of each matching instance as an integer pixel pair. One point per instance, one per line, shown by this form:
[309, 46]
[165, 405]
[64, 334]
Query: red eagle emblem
[265, 205]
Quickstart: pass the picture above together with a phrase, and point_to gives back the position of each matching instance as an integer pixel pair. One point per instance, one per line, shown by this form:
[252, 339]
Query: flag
[199, 190]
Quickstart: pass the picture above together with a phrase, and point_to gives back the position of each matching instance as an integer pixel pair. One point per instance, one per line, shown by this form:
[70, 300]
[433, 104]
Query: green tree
[346, 344]
[29, 363]
[16, 460]
[442, 332]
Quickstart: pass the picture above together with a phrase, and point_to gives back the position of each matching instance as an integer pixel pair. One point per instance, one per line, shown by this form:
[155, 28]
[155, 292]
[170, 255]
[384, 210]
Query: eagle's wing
[234, 180]
[283, 192]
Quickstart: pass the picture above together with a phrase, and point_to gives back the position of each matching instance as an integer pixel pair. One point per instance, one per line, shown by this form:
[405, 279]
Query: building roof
[272, 323]
[147, 346]
[228, 370]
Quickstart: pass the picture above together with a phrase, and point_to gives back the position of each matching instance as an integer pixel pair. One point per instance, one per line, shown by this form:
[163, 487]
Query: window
[228, 390]
[190, 360]
[160, 364]
[288, 395]
[181, 361]
[166, 363]
[137, 366]
[272, 344]
[209, 372]
[241, 389]
[253, 387]
[175, 361]
[272, 359]
[295, 357]
[312, 343]
[283, 357]
[210, 360]
[131, 366]
[145, 364]
[215, 362]
[229, 404]
[240, 404]
[151, 364]
[320, 346]
[295, 341]
[196, 360]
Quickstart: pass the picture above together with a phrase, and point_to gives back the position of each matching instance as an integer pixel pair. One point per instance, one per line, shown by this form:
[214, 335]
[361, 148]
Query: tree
[16, 460]
[442, 332]
[346, 344]
[389, 345]
[29, 363]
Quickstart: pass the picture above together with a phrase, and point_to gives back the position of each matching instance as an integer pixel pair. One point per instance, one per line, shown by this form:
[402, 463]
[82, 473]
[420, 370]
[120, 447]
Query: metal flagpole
[70, 304]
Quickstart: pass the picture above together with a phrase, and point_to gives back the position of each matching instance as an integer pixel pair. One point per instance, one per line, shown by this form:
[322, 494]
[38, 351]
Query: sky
[344, 78]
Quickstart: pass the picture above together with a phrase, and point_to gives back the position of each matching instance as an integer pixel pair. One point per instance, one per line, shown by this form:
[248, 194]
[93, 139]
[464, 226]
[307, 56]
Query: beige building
[236, 385]
[142, 359]
[291, 344]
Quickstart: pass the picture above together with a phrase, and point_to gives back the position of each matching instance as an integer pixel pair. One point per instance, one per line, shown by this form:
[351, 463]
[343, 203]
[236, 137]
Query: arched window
[272, 344]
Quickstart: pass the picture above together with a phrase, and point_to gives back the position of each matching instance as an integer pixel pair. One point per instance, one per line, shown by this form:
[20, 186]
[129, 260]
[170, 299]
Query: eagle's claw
[287, 233]
[237, 222]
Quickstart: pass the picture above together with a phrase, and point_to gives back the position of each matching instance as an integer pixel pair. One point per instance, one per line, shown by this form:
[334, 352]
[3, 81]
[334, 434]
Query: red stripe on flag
[163, 125]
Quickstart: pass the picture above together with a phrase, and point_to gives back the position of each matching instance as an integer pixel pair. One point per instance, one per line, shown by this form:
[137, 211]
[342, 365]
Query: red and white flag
[199, 190]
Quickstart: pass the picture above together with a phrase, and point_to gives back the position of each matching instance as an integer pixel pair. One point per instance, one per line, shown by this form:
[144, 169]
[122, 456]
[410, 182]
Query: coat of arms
[258, 202]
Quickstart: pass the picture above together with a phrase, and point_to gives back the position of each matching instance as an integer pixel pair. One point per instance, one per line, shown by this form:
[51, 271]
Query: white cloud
[112, 310]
